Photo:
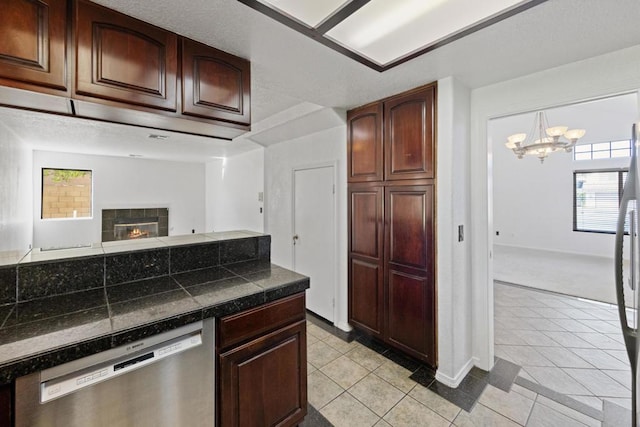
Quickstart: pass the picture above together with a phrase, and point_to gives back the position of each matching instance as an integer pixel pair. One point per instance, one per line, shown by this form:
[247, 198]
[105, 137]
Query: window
[602, 150]
[596, 200]
[66, 193]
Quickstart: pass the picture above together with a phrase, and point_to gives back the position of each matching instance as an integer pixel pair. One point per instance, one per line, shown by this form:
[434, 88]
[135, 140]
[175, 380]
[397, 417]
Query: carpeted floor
[583, 276]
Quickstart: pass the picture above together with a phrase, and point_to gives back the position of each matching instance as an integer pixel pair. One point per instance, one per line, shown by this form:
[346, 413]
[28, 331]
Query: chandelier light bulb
[574, 134]
[556, 131]
[517, 138]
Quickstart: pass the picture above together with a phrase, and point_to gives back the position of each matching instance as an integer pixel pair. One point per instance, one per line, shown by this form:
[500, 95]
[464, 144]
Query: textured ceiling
[289, 69]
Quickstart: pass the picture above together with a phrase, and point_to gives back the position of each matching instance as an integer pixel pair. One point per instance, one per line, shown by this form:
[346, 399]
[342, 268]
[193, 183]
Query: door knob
[295, 237]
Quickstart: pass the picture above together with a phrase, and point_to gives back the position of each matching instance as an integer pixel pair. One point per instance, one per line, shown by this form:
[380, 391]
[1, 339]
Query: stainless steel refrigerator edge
[178, 389]
[627, 294]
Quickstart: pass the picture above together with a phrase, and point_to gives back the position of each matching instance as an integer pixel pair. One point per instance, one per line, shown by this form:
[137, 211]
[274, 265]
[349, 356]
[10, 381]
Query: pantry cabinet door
[409, 135]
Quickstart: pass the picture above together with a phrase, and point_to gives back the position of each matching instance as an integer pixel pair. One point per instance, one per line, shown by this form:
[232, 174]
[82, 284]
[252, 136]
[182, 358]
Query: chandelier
[543, 139]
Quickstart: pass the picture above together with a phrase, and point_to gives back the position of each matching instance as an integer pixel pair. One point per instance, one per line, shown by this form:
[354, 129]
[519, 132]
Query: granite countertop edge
[88, 345]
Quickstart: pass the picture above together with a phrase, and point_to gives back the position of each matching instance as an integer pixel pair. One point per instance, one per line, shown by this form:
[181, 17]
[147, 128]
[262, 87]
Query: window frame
[610, 150]
[620, 172]
[81, 218]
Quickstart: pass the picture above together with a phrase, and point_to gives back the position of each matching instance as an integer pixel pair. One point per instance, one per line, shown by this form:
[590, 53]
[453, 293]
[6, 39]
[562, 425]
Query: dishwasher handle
[112, 354]
[89, 374]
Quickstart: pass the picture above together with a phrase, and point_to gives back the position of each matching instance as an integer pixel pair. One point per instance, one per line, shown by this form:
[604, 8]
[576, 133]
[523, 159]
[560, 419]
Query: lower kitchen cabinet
[392, 295]
[263, 383]
[263, 376]
[6, 394]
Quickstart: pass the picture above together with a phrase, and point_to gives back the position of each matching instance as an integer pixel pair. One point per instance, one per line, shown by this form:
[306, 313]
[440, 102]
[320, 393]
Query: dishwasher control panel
[61, 386]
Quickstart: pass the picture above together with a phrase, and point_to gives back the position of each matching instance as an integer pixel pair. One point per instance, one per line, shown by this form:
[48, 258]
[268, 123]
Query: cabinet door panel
[366, 257]
[122, 59]
[215, 84]
[409, 135]
[409, 219]
[410, 309]
[411, 314]
[264, 382]
[366, 221]
[366, 295]
[33, 47]
[364, 144]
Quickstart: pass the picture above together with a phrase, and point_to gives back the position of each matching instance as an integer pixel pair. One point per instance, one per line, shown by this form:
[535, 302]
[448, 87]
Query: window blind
[596, 201]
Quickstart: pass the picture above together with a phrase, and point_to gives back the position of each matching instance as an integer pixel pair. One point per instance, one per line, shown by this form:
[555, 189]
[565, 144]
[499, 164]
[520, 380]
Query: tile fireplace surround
[110, 217]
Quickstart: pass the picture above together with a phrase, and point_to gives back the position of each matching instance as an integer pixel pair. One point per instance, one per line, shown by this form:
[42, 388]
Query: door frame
[569, 83]
[320, 165]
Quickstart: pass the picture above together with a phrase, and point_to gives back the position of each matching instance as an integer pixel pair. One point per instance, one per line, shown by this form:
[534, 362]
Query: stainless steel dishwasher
[163, 380]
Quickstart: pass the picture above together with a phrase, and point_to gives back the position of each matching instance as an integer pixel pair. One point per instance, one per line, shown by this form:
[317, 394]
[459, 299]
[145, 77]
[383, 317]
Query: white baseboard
[454, 382]
[555, 251]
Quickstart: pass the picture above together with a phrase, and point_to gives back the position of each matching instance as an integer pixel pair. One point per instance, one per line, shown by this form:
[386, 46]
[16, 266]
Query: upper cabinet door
[364, 144]
[120, 58]
[33, 43]
[409, 135]
[215, 84]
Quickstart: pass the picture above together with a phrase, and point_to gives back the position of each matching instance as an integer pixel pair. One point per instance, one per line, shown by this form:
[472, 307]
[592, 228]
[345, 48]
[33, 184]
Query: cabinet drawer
[243, 326]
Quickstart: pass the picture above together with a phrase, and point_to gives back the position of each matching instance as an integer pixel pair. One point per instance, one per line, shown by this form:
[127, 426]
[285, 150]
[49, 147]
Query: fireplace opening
[134, 223]
[135, 228]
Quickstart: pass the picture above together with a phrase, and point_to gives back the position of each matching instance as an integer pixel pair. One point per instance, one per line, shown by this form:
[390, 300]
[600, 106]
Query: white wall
[453, 269]
[533, 202]
[121, 182]
[613, 73]
[15, 195]
[232, 187]
[280, 159]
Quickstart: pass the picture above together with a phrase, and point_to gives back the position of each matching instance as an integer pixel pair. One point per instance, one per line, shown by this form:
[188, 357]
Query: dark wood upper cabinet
[33, 36]
[119, 58]
[409, 135]
[215, 84]
[364, 144]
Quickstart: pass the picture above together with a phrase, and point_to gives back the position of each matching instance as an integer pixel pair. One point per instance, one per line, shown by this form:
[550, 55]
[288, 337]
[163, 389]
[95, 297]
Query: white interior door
[314, 235]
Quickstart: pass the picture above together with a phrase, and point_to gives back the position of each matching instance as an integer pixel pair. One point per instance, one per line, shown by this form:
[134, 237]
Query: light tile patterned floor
[570, 345]
[352, 385]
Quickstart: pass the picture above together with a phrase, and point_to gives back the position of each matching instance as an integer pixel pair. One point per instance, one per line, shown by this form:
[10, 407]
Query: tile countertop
[39, 334]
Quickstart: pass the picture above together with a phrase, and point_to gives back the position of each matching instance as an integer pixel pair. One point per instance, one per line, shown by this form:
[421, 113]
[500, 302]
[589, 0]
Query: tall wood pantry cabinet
[391, 180]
